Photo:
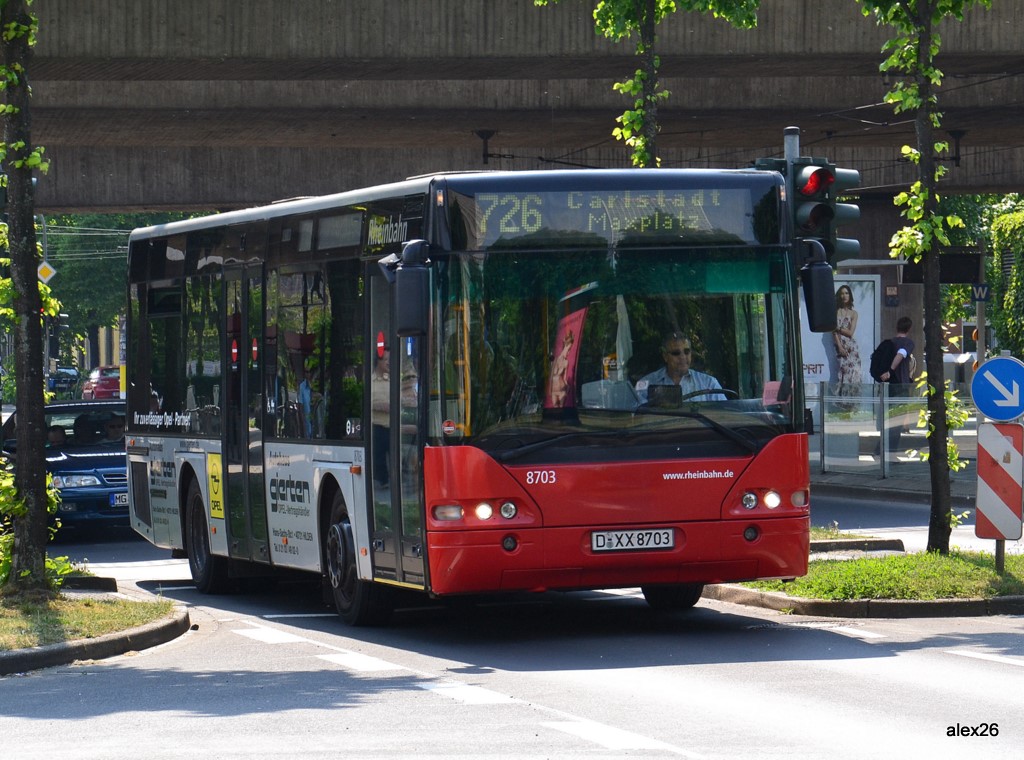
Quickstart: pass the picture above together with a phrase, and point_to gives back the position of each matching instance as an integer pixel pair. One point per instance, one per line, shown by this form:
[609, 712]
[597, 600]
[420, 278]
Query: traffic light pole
[790, 148]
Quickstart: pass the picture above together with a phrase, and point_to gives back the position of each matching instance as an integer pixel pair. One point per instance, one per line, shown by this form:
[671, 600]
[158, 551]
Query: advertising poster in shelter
[841, 358]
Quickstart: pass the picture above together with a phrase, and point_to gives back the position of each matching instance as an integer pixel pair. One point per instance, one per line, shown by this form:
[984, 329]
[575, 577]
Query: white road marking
[984, 656]
[270, 635]
[614, 738]
[470, 695]
[360, 662]
[859, 633]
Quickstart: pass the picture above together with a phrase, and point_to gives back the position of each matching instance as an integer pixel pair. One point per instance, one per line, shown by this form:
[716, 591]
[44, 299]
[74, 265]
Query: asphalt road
[272, 673]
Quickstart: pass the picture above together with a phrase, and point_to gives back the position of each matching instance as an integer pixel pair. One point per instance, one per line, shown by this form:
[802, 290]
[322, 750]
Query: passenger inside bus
[676, 352]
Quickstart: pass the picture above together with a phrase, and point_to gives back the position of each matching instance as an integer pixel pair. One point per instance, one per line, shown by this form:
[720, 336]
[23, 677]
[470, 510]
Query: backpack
[881, 359]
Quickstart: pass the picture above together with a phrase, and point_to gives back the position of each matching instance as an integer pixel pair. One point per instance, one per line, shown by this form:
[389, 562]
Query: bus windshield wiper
[744, 441]
[529, 448]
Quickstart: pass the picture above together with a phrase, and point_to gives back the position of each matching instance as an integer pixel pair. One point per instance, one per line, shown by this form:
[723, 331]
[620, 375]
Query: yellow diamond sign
[45, 272]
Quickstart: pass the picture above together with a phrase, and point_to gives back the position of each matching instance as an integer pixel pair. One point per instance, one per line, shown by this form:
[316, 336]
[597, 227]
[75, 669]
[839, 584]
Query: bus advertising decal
[214, 474]
[289, 490]
[182, 420]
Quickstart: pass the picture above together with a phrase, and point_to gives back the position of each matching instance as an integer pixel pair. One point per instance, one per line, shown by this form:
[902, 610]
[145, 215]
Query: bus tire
[209, 572]
[681, 596]
[358, 602]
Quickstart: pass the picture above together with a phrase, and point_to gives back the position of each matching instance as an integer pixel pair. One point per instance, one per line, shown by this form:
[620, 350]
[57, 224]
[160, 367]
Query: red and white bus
[433, 385]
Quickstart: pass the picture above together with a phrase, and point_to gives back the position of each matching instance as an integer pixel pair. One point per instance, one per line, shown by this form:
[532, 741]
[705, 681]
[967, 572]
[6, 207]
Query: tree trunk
[938, 464]
[650, 84]
[28, 557]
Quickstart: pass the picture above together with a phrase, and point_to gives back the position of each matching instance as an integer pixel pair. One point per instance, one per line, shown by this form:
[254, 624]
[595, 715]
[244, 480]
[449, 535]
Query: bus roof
[468, 181]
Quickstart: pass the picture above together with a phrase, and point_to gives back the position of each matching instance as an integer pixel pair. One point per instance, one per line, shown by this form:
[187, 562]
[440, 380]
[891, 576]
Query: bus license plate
[632, 540]
[119, 499]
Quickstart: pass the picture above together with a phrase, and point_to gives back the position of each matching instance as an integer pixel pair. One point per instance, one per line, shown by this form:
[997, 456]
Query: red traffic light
[815, 182]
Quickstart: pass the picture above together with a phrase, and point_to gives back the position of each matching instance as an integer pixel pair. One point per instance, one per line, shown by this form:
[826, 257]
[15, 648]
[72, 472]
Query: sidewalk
[907, 482]
[908, 479]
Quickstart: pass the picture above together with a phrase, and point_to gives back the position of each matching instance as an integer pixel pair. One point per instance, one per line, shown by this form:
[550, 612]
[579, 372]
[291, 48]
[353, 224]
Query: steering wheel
[710, 392]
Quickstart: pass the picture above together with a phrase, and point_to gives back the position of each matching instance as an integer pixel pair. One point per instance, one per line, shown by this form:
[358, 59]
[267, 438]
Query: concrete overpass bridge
[154, 104]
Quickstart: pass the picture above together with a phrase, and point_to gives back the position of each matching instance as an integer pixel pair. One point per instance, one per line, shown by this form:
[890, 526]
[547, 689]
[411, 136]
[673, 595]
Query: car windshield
[83, 427]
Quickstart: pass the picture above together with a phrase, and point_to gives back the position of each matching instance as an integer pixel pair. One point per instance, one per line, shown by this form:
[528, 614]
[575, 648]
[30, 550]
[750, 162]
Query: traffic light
[843, 213]
[815, 187]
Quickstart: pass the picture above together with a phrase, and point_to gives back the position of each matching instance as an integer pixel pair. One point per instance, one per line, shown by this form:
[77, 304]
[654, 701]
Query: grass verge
[925, 576]
[32, 623]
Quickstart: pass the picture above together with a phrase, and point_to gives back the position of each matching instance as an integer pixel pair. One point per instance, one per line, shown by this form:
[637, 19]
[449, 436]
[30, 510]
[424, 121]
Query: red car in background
[103, 382]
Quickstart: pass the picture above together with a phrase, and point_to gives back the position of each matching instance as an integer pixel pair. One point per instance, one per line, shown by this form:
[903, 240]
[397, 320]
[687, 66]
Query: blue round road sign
[998, 388]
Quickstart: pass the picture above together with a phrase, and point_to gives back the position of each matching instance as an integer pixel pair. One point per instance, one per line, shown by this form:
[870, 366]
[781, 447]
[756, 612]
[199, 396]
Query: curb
[866, 608]
[143, 637]
[89, 583]
[858, 544]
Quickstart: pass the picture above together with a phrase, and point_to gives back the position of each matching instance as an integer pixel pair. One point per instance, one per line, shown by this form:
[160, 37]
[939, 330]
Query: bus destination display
[611, 215]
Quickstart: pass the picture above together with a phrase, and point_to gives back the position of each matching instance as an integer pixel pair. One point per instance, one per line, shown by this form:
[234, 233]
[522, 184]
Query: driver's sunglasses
[679, 352]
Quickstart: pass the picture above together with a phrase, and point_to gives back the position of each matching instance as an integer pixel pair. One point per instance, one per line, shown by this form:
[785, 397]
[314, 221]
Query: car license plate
[119, 499]
[632, 540]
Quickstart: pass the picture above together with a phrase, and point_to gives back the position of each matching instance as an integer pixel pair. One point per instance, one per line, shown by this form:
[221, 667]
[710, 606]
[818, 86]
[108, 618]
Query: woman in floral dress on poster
[850, 372]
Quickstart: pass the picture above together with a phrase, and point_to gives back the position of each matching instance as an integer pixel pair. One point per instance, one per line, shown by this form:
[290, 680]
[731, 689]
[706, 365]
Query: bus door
[396, 440]
[243, 415]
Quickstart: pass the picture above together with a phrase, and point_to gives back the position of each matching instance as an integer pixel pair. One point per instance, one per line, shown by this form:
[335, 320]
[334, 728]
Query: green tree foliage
[1007, 280]
[620, 20]
[977, 213]
[911, 54]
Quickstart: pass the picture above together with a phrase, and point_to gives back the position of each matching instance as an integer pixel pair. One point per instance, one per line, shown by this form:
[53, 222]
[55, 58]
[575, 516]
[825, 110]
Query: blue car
[85, 453]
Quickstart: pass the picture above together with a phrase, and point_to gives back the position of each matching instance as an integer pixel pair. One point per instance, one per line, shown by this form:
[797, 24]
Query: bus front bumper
[542, 559]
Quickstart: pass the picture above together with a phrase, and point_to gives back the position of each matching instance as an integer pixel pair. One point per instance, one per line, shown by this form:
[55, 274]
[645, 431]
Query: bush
[10, 506]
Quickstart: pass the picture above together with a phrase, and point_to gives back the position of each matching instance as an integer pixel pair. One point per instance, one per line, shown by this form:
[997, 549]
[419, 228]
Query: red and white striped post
[1000, 482]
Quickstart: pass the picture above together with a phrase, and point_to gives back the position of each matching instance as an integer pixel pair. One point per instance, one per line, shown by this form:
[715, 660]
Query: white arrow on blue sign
[997, 388]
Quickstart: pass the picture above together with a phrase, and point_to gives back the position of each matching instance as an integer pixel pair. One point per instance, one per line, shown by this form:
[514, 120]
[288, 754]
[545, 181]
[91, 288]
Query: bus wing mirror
[412, 289]
[819, 288]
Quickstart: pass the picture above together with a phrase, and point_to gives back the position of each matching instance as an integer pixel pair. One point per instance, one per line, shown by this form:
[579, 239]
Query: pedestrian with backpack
[898, 373]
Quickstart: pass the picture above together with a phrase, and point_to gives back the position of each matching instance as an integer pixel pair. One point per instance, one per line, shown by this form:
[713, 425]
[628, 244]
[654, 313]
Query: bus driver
[676, 351]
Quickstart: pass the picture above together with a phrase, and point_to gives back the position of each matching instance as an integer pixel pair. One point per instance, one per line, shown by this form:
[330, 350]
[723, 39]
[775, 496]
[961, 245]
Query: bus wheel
[358, 602]
[209, 572]
[681, 596]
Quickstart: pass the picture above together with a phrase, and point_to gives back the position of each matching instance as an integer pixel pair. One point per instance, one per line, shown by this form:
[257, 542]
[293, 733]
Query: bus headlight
[484, 511]
[508, 510]
[772, 499]
[749, 500]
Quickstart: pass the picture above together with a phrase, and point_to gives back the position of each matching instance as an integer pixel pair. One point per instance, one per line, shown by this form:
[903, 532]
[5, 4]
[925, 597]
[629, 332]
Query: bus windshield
[588, 348]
